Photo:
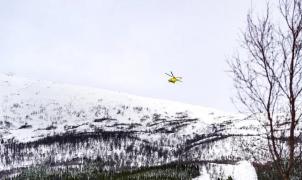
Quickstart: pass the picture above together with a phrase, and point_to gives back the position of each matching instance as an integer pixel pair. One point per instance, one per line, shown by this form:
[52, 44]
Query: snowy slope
[42, 122]
[42, 104]
[241, 170]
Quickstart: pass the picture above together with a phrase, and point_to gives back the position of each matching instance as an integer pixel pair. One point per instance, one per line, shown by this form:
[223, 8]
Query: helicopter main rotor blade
[168, 74]
[172, 74]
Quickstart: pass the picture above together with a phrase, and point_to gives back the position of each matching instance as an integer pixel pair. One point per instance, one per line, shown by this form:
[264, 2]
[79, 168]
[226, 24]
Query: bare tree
[268, 80]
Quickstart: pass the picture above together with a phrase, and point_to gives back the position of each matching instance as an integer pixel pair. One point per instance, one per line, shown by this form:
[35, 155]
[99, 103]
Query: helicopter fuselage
[173, 80]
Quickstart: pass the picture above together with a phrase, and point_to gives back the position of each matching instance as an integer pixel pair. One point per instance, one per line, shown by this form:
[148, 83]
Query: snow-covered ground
[41, 104]
[241, 170]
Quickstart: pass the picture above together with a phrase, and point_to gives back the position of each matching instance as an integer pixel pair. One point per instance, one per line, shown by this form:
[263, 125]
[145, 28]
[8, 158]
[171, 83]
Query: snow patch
[243, 170]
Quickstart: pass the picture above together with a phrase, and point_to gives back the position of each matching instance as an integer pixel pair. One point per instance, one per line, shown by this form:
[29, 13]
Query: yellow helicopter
[173, 78]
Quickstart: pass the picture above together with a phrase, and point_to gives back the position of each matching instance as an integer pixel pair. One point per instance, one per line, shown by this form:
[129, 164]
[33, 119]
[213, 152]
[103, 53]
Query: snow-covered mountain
[45, 123]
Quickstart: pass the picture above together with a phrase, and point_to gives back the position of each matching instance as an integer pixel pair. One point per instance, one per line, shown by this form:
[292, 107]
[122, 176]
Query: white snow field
[241, 170]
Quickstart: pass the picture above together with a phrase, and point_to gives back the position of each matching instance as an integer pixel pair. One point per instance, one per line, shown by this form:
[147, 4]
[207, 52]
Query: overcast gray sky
[126, 45]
